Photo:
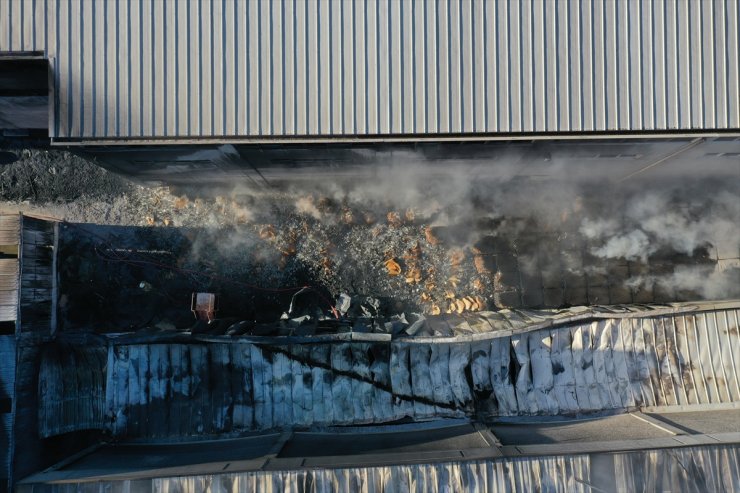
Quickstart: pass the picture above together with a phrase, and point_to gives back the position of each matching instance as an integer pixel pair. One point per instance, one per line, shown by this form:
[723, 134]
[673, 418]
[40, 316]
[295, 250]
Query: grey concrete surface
[727, 421]
[400, 444]
[450, 438]
[622, 427]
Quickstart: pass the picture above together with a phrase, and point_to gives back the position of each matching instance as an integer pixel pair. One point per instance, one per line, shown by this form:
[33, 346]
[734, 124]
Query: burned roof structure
[480, 400]
[448, 245]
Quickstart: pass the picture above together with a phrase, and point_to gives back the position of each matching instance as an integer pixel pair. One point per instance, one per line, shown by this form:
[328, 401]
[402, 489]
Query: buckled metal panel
[631, 361]
[224, 68]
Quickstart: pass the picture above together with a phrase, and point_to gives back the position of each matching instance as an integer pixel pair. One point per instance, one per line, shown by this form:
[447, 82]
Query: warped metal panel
[617, 361]
[71, 389]
[331, 68]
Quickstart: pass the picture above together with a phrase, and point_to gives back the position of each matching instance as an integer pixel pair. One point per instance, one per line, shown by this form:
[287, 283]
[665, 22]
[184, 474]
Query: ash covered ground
[406, 237]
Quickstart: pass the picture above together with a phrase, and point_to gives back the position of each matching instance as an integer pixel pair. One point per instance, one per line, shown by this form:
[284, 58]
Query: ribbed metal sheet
[686, 469]
[8, 289]
[7, 390]
[71, 389]
[198, 68]
[684, 359]
[10, 228]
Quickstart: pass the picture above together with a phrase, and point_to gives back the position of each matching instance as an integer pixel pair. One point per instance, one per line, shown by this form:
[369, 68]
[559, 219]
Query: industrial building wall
[170, 390]
[709, 468]
[258, 70]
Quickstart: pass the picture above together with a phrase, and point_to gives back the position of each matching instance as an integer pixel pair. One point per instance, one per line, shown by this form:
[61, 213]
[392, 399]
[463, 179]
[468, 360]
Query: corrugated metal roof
[141, 69]
[71, 389]
[707, 468]
[10, 228]
[9, 289]
[7, 391]
[38, 275]
[586, 366]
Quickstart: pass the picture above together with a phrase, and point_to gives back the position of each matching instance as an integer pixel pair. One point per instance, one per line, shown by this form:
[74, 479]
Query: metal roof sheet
[701, 468]
[673, 359]
[377, 68]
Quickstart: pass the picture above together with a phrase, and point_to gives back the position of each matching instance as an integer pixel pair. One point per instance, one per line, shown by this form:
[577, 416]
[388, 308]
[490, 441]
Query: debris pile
[418, 246]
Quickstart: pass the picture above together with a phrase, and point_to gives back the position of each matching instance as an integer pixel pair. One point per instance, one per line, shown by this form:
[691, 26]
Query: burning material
[413, 275]
[412, 257]
[466, 304]
[348, 216]
[498, 289]
[413, 254]
[456, 256]
[431, 238]
[267, 232]
[394, 219]
[370, 218]
[393, 267]
[326, 264]
[479, 261]
[306, 206]
[181, 202]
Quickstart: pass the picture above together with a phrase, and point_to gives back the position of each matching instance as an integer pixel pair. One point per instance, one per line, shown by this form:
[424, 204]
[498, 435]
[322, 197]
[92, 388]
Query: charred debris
[320, 265]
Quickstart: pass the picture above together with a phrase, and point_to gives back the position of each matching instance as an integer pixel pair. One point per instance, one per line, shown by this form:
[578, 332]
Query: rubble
[258, 247]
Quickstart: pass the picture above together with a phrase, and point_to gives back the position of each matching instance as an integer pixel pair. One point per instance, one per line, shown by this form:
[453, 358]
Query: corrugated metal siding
[9, 268]
[7, 366]
[7, 391]
[198, 68]
[627, 363]
[28, 451]
[10, 229]
[686, 469]
[8, 289]
[71, 389]
[37, 275]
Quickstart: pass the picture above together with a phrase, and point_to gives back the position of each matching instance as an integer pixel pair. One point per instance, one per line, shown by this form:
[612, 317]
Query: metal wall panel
[700, 468]
[227, 68]
[7, 391]
[9, 289]
[620, 361]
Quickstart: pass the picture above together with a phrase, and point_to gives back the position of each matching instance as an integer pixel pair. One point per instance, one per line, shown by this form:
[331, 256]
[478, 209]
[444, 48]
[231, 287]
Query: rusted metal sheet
[196, 69]
[625, 362]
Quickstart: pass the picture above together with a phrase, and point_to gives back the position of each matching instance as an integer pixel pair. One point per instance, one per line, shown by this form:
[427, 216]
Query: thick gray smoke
[525, 209]
[674, 219]
[687, 222]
